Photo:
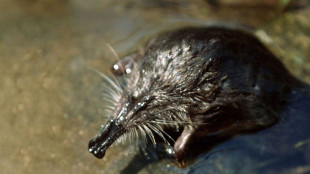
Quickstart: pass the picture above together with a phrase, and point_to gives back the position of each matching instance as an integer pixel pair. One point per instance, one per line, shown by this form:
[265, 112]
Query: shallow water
[51, 103]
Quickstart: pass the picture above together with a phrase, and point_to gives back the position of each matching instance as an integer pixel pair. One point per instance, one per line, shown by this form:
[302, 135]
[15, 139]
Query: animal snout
[107, 135]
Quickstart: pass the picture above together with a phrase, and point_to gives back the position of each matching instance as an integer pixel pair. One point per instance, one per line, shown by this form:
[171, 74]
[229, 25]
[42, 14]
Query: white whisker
[113, 51]
[109, 107]
[109, 89]
[131, 136]
[107, 97]
[149, 133]
[116, 57]
[161, 129]
[115, 79]
[157, 131]
[136, 133]
[143, 134]
[111, 82]
[114, 95]
[175, 122]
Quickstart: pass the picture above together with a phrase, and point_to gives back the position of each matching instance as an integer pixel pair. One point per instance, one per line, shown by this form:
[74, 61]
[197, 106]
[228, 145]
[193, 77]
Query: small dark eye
[117, 69]
[131, 98]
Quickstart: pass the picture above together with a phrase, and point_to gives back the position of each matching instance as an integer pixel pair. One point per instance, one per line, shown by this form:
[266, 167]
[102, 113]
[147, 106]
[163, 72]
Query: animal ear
[125, 64]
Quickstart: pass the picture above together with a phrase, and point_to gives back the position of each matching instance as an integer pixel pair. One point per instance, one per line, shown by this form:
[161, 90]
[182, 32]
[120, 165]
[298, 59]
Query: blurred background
[50, 99]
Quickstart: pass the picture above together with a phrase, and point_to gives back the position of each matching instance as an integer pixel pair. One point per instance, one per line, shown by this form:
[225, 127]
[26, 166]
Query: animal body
[194, 84]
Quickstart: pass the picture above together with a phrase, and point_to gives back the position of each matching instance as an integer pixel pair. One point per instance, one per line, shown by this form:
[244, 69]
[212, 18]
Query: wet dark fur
[198, 83]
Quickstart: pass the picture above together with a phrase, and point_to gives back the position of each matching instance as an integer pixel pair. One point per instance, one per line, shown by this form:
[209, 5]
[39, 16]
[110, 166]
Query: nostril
[95, 148]
[100, 154]
[92, 145]
[107, 135]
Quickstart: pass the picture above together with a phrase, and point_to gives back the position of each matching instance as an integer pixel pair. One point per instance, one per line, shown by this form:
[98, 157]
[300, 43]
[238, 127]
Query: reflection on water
[51, 101]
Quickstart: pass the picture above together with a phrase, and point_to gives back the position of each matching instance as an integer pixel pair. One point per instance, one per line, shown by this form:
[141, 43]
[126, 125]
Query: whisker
[115, 96]
[141, 131]
[111, 82]
[107, 113]
[113, 51]
[157, 132]
[107, 97]
[109, 107]
[161, 129]
[165, 110]
[149, 133]
[136, 133]
[117, 60]
[116, 80]
[116, 57]
[176, 122]
[108, 87]
[131, 136]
